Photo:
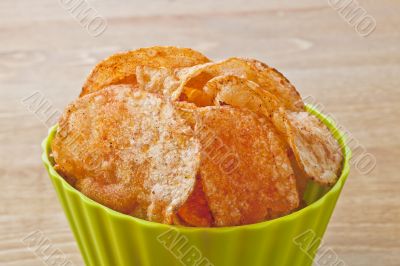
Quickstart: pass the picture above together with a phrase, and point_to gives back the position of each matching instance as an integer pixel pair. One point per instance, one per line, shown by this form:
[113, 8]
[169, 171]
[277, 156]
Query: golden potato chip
[121, 196]
[121, 68]
[288, 198]
[267, 78]
[277, 84]
[239, 92]
[129, 150]
[245, 172]
[315, 149]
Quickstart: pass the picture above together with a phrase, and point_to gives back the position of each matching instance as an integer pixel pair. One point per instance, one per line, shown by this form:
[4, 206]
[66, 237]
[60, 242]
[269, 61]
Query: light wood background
[357, 79]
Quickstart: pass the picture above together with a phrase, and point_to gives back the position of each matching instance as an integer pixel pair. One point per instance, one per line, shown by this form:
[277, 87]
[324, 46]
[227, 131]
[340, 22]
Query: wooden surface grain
[44, 49]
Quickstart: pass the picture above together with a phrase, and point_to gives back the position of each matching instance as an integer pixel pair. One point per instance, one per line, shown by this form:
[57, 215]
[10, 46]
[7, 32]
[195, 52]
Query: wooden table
[44, 49]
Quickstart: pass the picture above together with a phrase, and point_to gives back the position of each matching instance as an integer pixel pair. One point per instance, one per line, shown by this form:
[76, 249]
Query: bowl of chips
[168, 158]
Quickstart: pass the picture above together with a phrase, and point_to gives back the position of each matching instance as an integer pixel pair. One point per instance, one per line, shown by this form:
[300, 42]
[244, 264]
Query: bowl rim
[336, 188]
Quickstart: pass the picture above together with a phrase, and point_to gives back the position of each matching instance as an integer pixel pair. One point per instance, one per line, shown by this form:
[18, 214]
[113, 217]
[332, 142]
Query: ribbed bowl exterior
[106, 237]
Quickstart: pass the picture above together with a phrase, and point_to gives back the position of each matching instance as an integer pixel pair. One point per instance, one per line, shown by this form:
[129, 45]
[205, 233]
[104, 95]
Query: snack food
[121, 68]
[128, 150]
[244, 169]
[185, 141]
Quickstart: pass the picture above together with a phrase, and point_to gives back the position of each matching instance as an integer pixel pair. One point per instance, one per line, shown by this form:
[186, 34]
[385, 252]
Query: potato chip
[244, 169]
[277, 84]
[121, 68]
[288, 196]
[269, 80]
[239, 92]
[129, 150]
[195, 211]
[315, 149]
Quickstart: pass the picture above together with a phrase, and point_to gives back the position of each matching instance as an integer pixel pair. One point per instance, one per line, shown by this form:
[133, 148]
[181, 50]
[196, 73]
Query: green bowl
[106, 237]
